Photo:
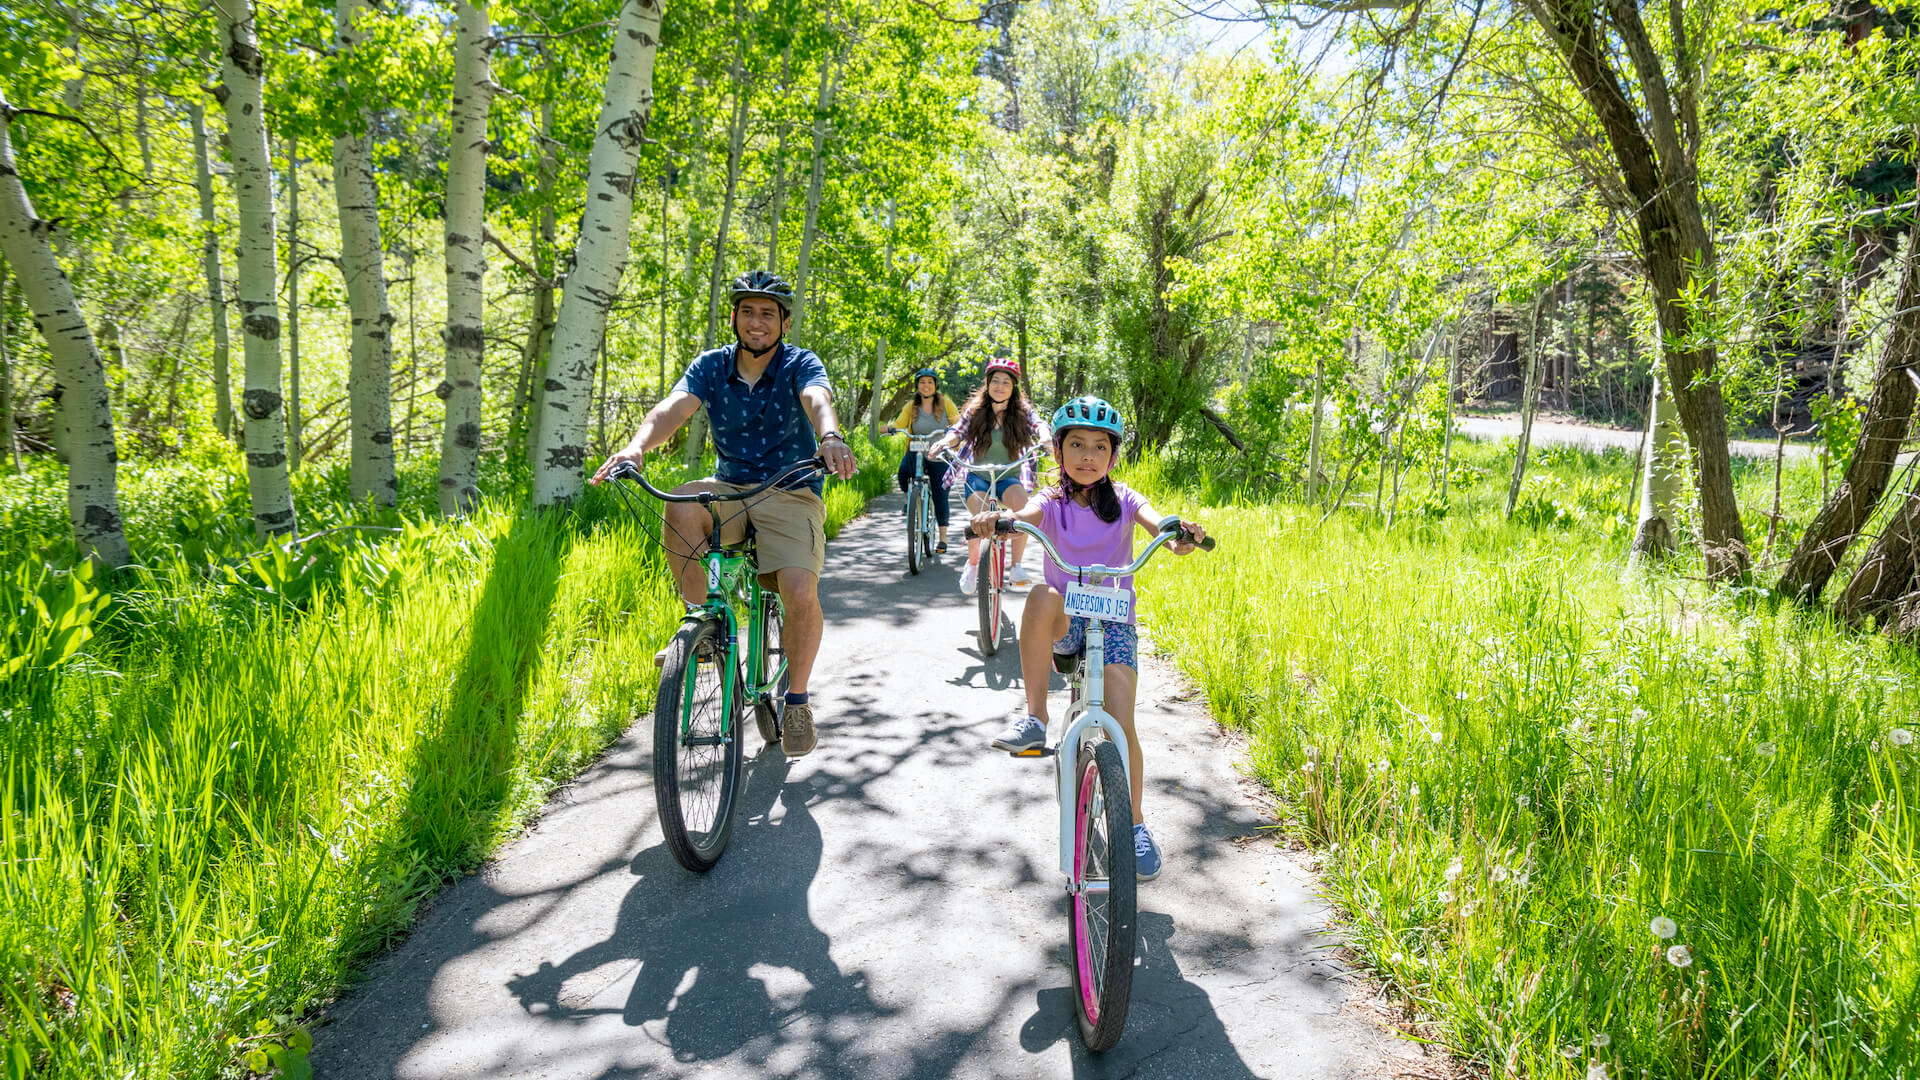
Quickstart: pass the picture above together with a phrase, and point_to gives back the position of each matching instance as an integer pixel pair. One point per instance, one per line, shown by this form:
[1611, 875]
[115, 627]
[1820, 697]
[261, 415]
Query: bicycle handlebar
[626, 471]
[1033, 455]
[1171, 529]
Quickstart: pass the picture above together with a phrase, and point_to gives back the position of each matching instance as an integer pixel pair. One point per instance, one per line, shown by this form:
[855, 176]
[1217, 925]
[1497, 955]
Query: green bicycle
[707, 676]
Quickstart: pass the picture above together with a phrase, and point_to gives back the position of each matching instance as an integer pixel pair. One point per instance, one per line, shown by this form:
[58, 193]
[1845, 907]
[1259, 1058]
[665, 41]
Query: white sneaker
[969, 579]
[1020, 575]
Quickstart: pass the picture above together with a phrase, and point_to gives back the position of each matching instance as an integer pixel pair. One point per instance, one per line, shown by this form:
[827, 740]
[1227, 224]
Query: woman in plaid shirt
[998, 426]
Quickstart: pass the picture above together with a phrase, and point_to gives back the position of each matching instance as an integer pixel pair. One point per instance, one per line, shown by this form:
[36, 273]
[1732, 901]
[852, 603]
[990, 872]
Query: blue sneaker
[1024, 734]
[1146, 855]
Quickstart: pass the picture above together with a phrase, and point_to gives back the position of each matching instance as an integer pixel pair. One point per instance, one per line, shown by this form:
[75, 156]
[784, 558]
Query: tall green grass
[1516, 766]
[244, 770]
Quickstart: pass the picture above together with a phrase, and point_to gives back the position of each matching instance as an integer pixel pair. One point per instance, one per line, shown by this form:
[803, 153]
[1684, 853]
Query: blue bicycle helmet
[1087, 411]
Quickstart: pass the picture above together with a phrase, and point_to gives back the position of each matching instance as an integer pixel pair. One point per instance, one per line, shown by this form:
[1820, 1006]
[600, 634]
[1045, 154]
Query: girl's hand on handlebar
[629, 456]
[982, 524]
[1194, 534]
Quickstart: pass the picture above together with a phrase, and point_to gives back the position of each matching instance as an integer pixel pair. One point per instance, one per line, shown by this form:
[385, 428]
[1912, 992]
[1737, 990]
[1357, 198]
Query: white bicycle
[1096, 809]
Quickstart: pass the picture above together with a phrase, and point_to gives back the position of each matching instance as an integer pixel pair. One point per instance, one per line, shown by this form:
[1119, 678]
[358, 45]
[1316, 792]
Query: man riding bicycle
[766, 401]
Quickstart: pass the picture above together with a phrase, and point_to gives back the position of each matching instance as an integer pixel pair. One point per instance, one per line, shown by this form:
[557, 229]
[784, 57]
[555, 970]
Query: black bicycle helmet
[762, 283]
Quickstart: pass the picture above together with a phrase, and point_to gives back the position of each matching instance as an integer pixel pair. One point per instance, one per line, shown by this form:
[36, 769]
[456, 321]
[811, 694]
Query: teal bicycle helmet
[1087, 411]
[926, 373]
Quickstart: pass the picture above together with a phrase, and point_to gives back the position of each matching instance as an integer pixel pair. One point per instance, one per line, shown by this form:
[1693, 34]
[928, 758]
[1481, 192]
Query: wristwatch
[835, 436]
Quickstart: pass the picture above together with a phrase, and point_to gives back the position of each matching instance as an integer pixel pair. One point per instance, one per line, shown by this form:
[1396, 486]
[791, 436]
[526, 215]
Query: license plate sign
[1099, 602]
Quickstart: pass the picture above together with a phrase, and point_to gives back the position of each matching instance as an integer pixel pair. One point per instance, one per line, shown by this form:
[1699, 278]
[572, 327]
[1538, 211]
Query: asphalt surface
[1554, 433]
[890, 906]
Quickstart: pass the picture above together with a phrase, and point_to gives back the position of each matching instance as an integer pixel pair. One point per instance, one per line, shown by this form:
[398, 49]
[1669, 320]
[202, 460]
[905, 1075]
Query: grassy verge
[256, 768]
[1587, 826]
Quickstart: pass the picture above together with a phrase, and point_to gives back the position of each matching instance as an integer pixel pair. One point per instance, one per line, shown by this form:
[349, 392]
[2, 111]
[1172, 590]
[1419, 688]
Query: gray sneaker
[796, 730]
[1026, 733]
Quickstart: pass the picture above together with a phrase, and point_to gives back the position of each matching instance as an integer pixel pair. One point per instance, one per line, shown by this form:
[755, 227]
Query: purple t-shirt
[1084, 540]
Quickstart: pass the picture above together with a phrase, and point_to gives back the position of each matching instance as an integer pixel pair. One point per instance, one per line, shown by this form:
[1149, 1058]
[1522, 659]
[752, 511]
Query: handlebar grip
[1172, 523]
[1207, 544]
[1002, 526]
[624, 471]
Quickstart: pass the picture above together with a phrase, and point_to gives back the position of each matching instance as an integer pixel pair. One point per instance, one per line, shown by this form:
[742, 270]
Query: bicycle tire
[770, 706]
[916, 505]
[1102, 926]
[988, 593]
[999, 592]
[695, 785]
[926, 524]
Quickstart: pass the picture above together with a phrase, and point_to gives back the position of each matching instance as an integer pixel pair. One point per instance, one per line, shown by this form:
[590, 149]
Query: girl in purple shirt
[1090, 520]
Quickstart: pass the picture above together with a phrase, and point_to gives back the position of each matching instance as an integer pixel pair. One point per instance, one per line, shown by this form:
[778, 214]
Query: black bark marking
[259, 404]
[245, 57]
[381, 438]
[275, 520]
[264, 327]
[221, 94]
[269, 460]
[467, 436]
[555, 386]
[444, 390]
[99, 521]
[567, 457]
[465, 337]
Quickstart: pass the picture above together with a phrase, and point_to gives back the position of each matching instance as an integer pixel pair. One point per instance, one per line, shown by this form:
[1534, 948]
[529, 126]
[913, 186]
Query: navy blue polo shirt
[760, 428]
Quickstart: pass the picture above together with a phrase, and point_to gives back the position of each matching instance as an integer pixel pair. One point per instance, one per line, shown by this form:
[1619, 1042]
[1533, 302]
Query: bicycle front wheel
[1101, 917]
[696, 748]
[989, 594]
[916, 510]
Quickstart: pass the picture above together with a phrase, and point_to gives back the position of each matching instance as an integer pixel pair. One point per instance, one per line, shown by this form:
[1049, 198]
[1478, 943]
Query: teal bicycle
[708, 675]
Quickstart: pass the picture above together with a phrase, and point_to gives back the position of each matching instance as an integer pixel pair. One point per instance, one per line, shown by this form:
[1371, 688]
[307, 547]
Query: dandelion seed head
[1639, 715]
[1569, 1051]
[1446, 896]
[1680, 956]
[1597, 1071]
[1663, 927]
[1766, 749]
[1453, 870]
[1396, 958]
[1307, 767]
[1436, 734]
[1499, 873]
[1523, 801]
[1602, 1040]
[1413, 789]
[1874, 746]
[1900, 737]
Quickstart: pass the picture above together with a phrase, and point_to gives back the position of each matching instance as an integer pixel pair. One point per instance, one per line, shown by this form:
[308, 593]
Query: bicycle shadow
[1166, 1013]
[717, 955]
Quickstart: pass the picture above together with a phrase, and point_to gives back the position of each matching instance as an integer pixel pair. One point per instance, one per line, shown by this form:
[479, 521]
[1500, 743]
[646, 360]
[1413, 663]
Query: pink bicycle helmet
[1004, 363]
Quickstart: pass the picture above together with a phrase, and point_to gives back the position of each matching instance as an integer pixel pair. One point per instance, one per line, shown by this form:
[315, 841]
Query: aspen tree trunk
[880, 350]
[1663, 484]
[465, 333]
[216, 287]
[529, 390]
[823, 105]
[8, 437]
[86, 413]
[1313, 433]
[601, 256]
[1453, 385]
[1529, 399]
[370, 472]
[261, 404]
[736, 141]
[778, 207]
[293, 303]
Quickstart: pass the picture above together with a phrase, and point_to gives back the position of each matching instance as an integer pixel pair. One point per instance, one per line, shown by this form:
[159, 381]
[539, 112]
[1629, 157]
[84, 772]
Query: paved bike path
[890, 906]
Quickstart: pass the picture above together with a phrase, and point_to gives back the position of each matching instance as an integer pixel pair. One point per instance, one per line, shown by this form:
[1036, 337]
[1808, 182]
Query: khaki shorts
[789, 527]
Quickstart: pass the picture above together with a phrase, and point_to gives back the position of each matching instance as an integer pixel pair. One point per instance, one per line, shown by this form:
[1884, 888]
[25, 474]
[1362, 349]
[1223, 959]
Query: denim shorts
[977, 485]
[1121, 642]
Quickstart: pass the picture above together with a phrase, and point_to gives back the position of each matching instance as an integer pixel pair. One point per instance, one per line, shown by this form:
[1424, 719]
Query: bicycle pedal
[1044, 751]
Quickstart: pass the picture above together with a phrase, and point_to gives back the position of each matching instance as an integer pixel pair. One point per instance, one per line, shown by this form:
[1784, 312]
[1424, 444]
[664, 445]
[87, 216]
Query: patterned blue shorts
[1121, 642]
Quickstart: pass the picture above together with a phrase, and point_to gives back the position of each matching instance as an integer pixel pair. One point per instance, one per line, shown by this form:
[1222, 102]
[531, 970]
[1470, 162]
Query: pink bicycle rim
[1082, 952]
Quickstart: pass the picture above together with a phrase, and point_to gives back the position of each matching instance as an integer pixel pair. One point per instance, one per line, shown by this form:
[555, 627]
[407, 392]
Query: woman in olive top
[929, 412]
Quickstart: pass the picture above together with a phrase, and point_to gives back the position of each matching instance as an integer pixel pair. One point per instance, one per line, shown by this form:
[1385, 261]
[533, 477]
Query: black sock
[796, 699]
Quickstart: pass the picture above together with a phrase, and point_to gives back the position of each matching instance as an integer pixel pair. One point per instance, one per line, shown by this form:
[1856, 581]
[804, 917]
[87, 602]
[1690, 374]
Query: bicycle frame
[1087, 713]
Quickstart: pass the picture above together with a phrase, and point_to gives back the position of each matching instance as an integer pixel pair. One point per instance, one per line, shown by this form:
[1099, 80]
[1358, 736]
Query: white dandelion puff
[1569, 1051]
[1639, 715]
[1663, 927]
[1766, 749]
[1453, 870]
[1597, 1071]
[1307, 767]
[1602, 1040]
[1499, 873]
[1413, 790]
[1900, 737]
[1680, 956]
[1396, 958]
[1523, 801]
[1446, 896]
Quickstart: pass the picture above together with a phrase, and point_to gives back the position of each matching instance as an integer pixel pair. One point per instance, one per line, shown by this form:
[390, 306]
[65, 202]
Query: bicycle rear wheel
[916, 509]
[770, 704]
[696, 771]
[1101, 916]
[989, 594]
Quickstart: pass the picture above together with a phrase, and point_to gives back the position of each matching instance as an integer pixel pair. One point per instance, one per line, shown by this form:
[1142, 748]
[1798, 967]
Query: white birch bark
[293, 303]
[1664, 483]
[8, 438]
[465, 334]
[216, 285]
[823, 105]
[261, 405]
[86, 412]
[370, 374]
[601, 255]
